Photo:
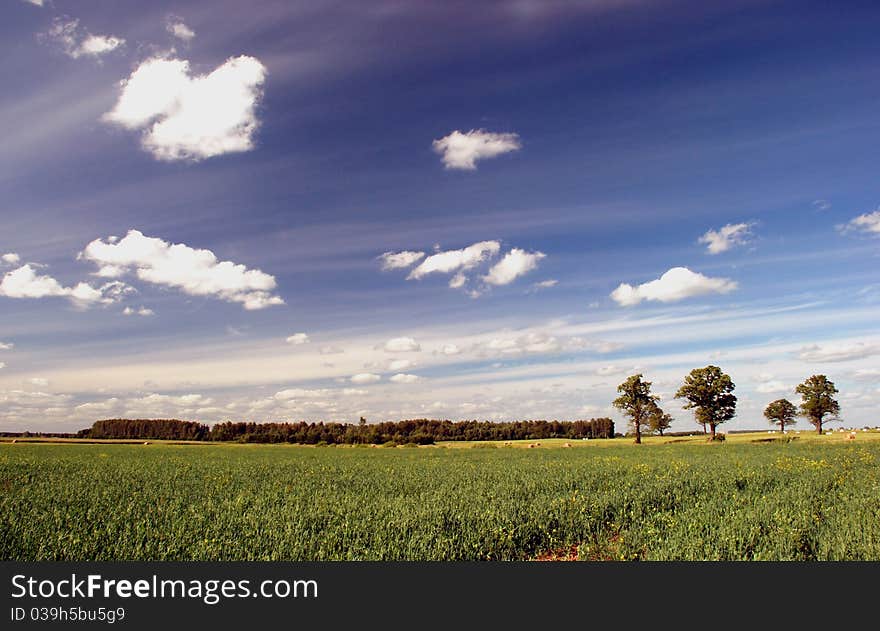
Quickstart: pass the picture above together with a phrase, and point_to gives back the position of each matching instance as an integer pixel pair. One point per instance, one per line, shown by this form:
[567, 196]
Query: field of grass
[815, 497]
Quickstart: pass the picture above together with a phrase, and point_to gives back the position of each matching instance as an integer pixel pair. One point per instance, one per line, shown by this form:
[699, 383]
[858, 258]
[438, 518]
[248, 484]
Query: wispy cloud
[867, 223]
[726, 237]
[838, 352]
[76, 42]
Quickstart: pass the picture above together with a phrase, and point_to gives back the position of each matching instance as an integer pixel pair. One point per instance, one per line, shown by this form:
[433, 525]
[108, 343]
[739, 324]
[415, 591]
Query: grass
[816, 497]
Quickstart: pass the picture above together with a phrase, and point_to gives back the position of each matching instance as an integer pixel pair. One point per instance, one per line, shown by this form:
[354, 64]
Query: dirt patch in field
[569, 553]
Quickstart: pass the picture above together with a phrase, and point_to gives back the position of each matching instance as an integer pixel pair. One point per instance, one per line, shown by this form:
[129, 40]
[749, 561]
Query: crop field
[811, 498]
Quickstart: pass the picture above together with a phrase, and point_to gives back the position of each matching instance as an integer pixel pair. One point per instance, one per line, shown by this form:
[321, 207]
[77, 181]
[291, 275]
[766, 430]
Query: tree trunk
[782, 426]
[638, 433]
[712, 425]
[819, 425]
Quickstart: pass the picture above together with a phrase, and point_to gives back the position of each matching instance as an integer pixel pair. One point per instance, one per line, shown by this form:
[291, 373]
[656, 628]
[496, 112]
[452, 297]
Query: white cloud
[331, 350]
[402, 345]
[530, 343]
[838, 352]
[867, 374]
[676, 284]
[195, 272]
[39, 382]
[611, 370]
[821, 204]
[462, 150]
[400, 364]
[514, 264]
[76, 43]
[2, 365]
[142, 311]
[455, 260]
[457, 281]
[297, 339]
[400, 260]
[868, 223]
[404, 378]
[450, 349]
[178, 29]
[772, 387]
[36, 3]
[726, 237]
[11, 258]
[545, 284]
[186, 117]
[364, 378]
[7, 346]
[24, 282]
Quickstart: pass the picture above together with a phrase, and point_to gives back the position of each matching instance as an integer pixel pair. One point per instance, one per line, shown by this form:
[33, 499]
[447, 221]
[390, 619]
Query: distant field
[814, 497]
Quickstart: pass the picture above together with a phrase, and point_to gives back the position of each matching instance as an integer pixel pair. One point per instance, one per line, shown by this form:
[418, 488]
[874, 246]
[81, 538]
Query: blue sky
[186, 186]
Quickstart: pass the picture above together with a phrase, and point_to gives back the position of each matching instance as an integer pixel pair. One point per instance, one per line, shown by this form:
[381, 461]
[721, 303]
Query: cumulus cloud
[178, 29]
[400, 260]
[36, 3]
[25, 282]
[838, 352]
[142, 311]
[402, 345]
[725, 238]
[676, 284]
[39, 382]
[331, 350]
[454, 260]
[462, 150]
[514, 264]
[76, 42]
[185, 117]
[404, 378]
[6, 346]
[298, 339]
[868, 223]
[195, 272]
[450, 349]
[11, 258]
[365, 378]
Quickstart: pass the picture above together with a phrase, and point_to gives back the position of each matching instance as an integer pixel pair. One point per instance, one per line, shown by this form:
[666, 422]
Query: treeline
[418, 431]
[156, 429]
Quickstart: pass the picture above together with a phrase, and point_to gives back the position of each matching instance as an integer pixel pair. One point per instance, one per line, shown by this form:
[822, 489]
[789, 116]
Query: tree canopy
[782, 412]
[636, 402]
[709, 392]
[817, 400]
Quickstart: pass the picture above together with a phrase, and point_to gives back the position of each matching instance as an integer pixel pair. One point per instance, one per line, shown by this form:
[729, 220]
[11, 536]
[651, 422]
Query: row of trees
[709, 392]
[419, 431]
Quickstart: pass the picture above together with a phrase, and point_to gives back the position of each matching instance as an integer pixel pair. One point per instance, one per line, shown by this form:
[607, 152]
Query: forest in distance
[417, 431]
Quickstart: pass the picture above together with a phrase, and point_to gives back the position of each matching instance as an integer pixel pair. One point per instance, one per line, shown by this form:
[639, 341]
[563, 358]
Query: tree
[817, 400]
[636, 402]
[782, 412]
[658, 420]
[710, 394]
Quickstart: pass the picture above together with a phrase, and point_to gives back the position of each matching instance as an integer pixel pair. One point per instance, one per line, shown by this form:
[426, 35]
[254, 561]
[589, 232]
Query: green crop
[282, 502]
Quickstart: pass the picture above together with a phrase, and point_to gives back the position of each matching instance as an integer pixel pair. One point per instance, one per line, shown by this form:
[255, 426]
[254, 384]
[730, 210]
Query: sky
[284, 211]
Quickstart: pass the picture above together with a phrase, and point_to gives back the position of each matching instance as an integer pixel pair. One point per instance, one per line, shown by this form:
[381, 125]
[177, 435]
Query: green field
[815, 497]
